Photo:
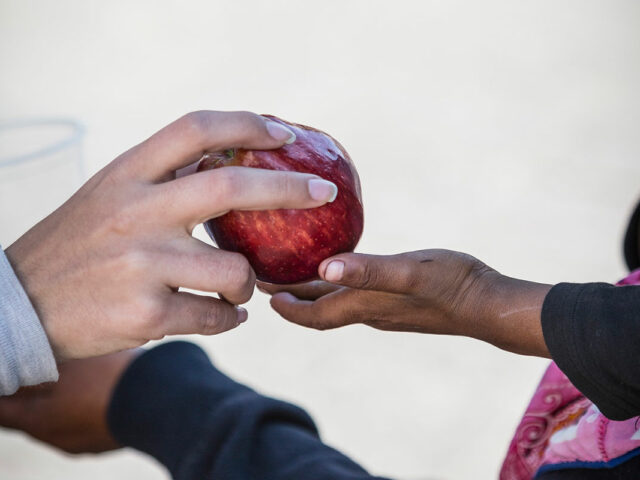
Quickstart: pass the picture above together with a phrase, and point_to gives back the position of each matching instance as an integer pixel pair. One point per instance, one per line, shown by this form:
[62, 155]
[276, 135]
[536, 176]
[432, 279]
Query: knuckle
[111, 174]
[212, 319]
[413, 282]
[195, 120]
[366, 276]
[121, 223]
[156, 332]
[117, 169]
[249, 120]
[149, 314]
[240, 277]
[226, 183]
[248, 127]
[122, 216]
[132, 263]
[410, 278]
[195, 125]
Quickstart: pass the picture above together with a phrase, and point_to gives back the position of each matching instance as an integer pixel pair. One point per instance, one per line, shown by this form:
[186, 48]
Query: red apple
[286, 246]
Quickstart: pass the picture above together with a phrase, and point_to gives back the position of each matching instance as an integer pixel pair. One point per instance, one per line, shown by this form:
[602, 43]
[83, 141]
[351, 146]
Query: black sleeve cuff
[593, 332]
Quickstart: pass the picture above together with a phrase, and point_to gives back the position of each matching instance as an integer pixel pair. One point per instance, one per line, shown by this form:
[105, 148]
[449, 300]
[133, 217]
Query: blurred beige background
[505, 129]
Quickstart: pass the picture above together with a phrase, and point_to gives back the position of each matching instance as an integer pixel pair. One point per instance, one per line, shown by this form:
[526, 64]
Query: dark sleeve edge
[559, 327]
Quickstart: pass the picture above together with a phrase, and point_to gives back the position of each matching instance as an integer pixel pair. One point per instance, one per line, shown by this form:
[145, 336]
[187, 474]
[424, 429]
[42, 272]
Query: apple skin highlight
[286, 246]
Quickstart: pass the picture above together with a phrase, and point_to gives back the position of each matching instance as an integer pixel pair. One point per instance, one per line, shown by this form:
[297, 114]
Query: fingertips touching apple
[249, 129]
[212, 193]
[276, 131]
[322, 190]
[334, 271]
[285, 238]
[280, 132]
[184, 141]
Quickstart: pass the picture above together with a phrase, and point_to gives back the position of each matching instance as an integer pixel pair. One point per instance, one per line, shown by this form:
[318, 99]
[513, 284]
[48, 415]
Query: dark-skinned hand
[427, 291]
[70, 414]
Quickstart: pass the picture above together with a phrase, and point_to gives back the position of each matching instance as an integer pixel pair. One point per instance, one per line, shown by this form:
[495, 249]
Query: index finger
[188, 138]
[211, 193]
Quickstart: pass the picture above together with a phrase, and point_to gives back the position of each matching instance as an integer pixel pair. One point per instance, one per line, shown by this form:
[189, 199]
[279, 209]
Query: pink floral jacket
[562, 429]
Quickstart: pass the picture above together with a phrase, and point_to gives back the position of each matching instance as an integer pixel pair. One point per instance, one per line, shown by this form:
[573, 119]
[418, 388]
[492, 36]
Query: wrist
[27, 276]
[26, 357]
[509, 314]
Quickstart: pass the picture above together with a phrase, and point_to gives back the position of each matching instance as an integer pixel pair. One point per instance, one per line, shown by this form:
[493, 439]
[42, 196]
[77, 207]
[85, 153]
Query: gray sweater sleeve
[25, 354]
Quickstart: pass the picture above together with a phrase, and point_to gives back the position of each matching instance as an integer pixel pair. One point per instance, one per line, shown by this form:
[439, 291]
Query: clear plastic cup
[40, 167]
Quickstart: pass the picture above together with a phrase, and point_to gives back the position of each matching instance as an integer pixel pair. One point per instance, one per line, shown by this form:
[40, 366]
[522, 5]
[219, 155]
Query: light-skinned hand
[103, 270]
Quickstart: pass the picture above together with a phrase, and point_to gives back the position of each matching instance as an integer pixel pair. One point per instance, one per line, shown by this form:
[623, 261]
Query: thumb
[386, 273]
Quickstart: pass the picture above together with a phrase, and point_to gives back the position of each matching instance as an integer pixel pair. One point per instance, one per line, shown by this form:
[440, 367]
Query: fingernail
[242, 315]
[280, 132]
[322, 190]
[334, 271]
[286, 296]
